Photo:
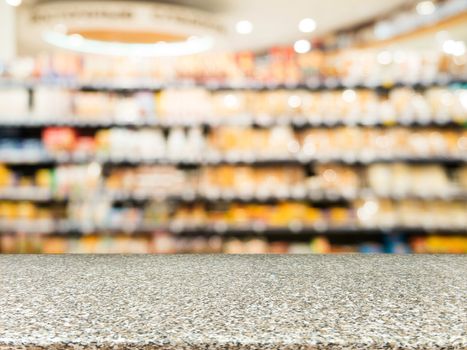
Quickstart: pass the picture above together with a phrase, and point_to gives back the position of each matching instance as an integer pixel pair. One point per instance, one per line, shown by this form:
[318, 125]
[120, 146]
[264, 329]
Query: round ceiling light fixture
[425, 8]
[453, 47]
[126, 28]
[244, 27]
[307, 25]
[302, 46]
[76, 42]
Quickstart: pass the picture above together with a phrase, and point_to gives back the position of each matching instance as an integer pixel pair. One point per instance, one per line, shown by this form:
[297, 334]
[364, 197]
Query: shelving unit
[90, 208]
[44, 195]
[213, 85]
[295, 230]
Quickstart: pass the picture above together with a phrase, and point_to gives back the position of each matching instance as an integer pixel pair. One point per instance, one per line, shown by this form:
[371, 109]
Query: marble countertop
[233, 302]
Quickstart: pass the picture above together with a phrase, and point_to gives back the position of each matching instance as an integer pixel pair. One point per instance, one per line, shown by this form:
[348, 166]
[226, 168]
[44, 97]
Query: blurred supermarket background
[235, 126]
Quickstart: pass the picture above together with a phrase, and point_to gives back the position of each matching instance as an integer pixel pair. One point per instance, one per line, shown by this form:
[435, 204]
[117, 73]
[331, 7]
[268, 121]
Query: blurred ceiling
[275, 21]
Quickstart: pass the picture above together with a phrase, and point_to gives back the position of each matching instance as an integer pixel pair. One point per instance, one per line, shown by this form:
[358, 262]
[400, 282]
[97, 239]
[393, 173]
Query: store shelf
[326, 84]
[38, 194]
[33, 122]
[36, 226]
[311, 231]
[33, 193]
[271, 146]
[66, 227]
[347, 159]
[264, 122]
[317, 197]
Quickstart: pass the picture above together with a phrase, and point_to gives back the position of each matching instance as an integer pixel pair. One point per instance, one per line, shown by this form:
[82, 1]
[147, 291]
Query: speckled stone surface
[233, 302]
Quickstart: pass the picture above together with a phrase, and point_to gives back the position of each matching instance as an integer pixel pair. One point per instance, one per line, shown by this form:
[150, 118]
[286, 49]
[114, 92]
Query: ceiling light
[307, 25]
[302, 46]
[244, 27]
[449, 46]
[75, 39]
[78, 43]
[14, 2]
[455, 48]
[425, 8]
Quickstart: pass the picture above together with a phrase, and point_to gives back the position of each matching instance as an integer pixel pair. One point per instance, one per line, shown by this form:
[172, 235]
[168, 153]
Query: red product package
[59, 138]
